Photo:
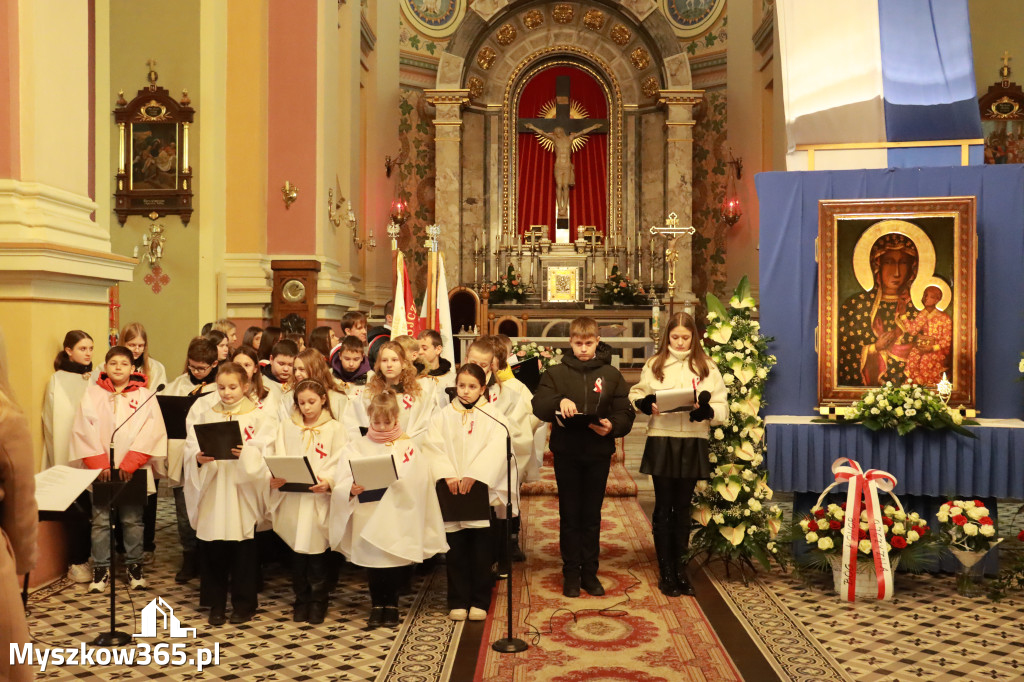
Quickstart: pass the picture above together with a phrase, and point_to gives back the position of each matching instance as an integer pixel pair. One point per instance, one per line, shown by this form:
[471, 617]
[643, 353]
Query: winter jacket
[677, 374]
[598, 389]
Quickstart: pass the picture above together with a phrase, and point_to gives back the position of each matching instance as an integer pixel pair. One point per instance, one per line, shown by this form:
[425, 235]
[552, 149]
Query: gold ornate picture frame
[563, 284]
[154, 175]
[896, 295]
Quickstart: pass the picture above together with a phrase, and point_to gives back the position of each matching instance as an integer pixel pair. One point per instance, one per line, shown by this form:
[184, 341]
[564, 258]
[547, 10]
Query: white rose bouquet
[906, 408]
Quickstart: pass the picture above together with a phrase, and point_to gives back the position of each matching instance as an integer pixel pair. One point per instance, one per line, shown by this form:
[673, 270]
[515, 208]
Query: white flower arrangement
[905, 408]
[737, 523]
[966, 525]
[546, 355]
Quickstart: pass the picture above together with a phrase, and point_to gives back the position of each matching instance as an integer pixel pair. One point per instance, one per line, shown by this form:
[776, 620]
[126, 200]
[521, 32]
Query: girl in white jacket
[465, 444]
[71, 376]
[401, 528]
[676, 451]
[227, 498]
[300, 517]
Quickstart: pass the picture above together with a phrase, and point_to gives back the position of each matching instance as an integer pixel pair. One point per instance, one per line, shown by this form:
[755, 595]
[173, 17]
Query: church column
[448, 178]
[55, 257]
[679, 122]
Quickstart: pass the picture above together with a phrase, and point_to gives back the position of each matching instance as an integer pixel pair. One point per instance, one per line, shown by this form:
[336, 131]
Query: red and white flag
[405, 320]
[440, 319]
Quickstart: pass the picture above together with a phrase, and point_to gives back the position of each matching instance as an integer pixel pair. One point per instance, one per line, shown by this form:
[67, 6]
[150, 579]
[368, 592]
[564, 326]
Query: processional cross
[671, 232]
[564, 135]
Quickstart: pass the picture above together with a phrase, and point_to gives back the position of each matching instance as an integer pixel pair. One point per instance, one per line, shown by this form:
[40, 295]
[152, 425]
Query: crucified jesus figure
[565, 176]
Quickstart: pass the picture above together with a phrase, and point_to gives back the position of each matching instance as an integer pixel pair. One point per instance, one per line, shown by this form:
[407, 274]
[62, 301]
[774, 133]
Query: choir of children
[430, 423]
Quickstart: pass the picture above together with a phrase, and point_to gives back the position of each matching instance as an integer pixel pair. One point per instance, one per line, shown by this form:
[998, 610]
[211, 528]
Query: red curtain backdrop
[588, 200]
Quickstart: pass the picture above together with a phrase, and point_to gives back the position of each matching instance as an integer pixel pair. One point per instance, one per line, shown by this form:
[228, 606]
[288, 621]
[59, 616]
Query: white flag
[398, 324]
[444, 314]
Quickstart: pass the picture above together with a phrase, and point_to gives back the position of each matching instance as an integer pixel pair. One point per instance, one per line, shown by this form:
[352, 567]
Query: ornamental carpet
[269, 647]
[632, 633]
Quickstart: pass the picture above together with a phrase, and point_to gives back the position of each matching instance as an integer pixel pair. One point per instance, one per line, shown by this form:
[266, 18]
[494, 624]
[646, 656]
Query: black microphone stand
[115, 637]
[508, 644]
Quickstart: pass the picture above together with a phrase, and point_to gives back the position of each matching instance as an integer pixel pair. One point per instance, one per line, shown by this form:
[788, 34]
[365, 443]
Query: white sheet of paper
[58, 486]
[292, 469]
[675, 399]
[373, 473]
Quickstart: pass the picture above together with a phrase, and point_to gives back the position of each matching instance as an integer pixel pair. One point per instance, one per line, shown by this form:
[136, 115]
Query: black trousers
[671, 518]
[581, 479]
[384, 584]
[228, 565]
[310, 577]
[469, 568]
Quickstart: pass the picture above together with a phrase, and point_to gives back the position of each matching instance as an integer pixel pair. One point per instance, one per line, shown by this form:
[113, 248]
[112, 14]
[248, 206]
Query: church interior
[764, 165]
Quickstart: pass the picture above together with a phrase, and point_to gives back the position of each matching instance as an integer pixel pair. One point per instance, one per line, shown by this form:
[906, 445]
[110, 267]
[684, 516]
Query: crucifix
[672, 233]
[563, 135]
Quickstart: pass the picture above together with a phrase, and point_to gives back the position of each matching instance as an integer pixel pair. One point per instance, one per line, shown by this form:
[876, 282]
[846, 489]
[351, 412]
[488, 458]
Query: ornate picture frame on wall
[153, 170]
[1002, 118]
[896, 295]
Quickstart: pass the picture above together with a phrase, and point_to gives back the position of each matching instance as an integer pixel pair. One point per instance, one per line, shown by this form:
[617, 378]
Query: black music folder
[118, 493]
[296, 470]
[473, 506]
[174, 409]
[577, 421]
[217, 438]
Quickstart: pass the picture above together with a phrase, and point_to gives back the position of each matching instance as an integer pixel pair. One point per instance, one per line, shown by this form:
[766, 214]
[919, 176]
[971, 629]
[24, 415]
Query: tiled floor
[271, 646]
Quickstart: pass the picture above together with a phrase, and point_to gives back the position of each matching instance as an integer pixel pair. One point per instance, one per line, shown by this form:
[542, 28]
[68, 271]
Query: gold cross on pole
[670, 232]
[1006, 57]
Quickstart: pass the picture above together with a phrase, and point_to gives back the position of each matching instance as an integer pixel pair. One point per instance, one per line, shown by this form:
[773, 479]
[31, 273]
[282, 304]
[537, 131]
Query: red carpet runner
[642, 636]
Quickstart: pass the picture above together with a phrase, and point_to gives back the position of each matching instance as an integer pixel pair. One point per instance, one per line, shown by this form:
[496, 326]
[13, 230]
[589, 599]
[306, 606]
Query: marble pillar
[448, 173]
[678, 106]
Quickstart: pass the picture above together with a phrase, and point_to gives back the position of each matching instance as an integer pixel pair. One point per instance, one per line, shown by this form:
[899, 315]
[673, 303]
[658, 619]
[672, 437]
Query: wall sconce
[732, 209]
[333, 214]
[290, 193]
[152, 245]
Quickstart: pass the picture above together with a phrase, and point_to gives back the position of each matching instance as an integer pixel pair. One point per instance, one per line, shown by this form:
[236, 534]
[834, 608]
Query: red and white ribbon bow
[863, 487]
[598, 384]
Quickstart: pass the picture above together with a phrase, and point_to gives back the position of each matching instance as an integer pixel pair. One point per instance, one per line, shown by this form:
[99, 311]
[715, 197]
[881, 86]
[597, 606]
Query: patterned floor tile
[271, 646]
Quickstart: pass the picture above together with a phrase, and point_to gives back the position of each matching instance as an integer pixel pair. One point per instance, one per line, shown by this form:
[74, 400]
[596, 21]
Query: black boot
[680, 547]
[189, 568]
[666, 562]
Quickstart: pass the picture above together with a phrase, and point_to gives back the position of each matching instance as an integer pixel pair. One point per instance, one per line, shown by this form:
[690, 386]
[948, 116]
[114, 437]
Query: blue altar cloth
[800, 454]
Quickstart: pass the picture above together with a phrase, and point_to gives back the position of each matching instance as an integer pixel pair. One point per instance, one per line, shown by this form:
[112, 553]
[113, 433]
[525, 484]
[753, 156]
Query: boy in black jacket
[584, 384]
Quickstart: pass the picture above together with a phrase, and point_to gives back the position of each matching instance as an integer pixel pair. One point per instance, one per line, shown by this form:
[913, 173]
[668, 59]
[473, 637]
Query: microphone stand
[115, 637]
[508, 644]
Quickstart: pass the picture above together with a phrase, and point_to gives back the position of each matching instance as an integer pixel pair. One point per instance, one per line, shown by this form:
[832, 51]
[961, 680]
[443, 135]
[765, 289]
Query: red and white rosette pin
[862, 493]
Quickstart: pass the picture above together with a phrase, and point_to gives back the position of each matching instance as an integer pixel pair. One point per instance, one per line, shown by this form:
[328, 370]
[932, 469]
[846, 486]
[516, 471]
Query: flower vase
[968, 574]
[867, 583]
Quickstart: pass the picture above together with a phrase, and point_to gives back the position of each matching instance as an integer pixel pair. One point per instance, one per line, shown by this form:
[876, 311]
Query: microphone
[128, 418]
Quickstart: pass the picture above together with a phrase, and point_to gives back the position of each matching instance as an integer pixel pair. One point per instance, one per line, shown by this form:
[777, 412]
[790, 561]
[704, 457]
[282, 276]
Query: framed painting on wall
[896, 295]
[154, 177]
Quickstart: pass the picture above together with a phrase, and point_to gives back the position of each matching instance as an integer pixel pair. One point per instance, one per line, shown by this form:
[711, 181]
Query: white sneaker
[477, 614]
[80, 573]
[100, 580]
[136, 580]
[457, 614]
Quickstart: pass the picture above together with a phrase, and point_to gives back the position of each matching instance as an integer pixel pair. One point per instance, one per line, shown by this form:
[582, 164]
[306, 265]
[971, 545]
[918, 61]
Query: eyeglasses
[198, 370]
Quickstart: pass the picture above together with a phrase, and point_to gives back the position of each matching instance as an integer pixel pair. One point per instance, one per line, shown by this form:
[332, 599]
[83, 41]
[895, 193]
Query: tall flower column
[448, 179]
